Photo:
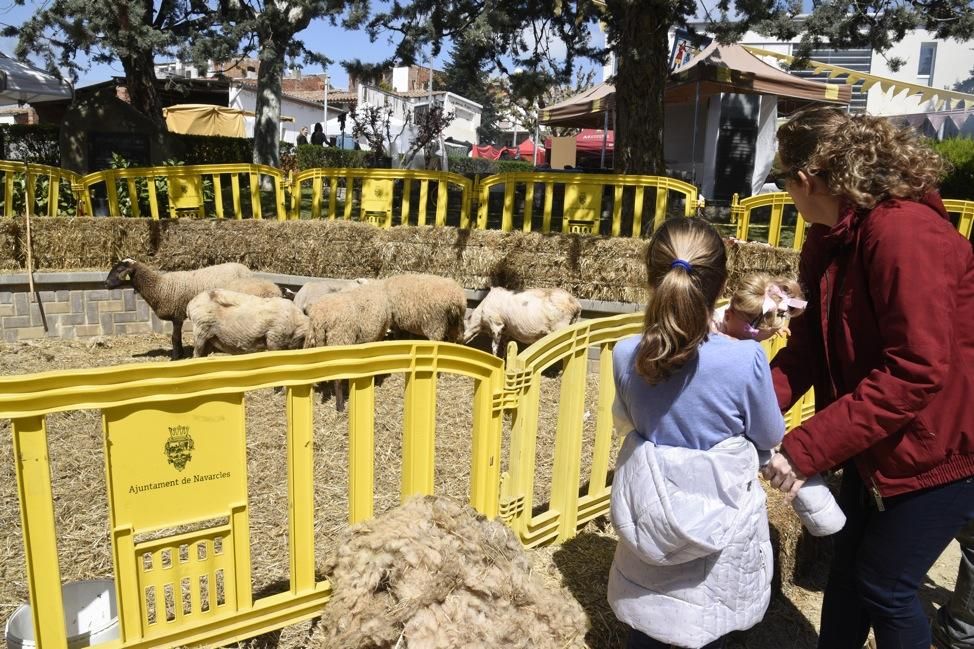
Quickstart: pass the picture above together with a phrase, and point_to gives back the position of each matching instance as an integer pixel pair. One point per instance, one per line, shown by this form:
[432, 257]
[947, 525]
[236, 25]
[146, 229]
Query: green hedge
[213, 149]
[959, 182]
[484, 167]
[37, 143]
[310, 156]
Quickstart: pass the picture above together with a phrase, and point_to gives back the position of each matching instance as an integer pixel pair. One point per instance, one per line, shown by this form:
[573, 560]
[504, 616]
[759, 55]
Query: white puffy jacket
[694, 558]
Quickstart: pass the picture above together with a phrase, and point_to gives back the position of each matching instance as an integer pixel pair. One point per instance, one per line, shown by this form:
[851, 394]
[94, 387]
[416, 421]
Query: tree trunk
[140, 79]
[642, 53]
[267, 123]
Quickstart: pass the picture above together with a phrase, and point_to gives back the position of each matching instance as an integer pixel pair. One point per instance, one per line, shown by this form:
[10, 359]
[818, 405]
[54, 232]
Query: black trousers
[881, 559]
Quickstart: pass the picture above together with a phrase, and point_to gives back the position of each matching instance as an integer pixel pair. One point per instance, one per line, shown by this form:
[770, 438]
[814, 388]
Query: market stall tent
[22, 83]
[721, 112]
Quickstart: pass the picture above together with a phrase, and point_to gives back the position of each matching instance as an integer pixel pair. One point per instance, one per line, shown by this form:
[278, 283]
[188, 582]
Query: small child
[693, 562]
[760, 308]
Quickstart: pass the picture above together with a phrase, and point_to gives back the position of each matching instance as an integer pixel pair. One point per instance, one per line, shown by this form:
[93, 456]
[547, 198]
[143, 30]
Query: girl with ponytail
[693, 561]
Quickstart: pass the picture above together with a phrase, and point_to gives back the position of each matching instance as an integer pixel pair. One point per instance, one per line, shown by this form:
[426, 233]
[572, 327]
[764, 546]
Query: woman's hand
[783, 476]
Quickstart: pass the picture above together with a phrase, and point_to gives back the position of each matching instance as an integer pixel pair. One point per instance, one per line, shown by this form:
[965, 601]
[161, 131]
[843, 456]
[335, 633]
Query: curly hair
[863, 158]
[748, 300]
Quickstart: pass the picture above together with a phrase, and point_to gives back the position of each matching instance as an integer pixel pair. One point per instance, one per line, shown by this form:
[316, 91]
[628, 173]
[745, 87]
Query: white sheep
[426, 305]
[254, 286]
[237, 323]
[168, 293]
[359, 315]
[311, 292]
[525, 316]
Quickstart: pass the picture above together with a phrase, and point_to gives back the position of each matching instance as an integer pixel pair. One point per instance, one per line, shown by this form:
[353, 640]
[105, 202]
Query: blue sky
[334, 42]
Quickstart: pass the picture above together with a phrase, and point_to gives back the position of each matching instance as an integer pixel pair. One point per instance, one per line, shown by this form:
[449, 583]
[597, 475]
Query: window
[928, 56]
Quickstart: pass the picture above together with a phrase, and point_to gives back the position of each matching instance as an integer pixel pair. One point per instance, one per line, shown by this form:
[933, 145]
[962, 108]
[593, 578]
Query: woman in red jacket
[887, 342]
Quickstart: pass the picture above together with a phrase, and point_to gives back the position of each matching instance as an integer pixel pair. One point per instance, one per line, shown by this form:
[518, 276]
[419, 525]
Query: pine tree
[523, 31]
[131, 32]
[466, 75]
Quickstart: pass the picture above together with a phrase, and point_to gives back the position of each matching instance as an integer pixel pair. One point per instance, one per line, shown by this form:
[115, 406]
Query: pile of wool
[434, 574]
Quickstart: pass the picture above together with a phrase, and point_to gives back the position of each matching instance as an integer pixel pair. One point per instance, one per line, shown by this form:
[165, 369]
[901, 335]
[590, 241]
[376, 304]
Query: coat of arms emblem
[179, 447]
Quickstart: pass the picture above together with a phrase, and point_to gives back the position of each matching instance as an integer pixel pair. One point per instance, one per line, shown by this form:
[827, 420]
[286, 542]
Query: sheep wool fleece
[694, 559]
[434, 574]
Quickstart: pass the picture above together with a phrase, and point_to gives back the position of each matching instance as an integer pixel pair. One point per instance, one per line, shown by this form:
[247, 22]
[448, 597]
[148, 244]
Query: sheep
[525, 316]
[435, 574]
[169, 293]
[254, 286]
[359, 315]
[426, 305]
[311, 292]
[237, 323]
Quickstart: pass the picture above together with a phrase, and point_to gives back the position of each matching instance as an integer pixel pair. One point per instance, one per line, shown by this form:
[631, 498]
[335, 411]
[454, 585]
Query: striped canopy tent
[22, 83]
[716, 69]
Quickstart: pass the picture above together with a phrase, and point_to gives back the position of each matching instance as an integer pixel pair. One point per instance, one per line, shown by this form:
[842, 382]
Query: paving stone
[84, 331]
[6, 297]
[78, 301]
[128, 297]
[98, 295]
[16, 322]
[128, 316]
[27, 333]
[63, 296]
[20, 302]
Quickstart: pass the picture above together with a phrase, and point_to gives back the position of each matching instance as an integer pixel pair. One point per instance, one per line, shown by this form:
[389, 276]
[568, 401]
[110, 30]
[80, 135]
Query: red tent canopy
[524, 151]
[589, 140]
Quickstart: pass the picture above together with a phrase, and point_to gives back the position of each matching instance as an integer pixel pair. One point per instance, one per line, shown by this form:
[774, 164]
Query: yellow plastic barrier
[741, 215]
[583, 201]
[188, 188]
[176, 456]
[375, 191]
[49, 181]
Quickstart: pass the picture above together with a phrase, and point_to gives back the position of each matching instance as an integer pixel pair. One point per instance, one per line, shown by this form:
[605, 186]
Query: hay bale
[9, 245]
[744, 258]
[434, 574]
[61, 243]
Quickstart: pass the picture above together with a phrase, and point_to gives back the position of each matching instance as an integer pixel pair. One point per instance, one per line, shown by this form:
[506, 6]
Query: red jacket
[887, 342]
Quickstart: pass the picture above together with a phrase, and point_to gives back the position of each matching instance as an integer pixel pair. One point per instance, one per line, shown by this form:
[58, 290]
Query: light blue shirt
[724, 391]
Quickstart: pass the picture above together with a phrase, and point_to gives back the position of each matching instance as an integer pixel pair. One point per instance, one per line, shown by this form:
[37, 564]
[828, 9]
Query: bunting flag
[943, 99]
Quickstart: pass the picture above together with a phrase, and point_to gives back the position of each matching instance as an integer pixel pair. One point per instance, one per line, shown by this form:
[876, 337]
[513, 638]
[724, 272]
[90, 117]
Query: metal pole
[537, 138]
[605, 136]
[693, 147]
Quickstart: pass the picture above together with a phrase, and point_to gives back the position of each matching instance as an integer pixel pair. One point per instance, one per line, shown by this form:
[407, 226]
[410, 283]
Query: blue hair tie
[685, 265]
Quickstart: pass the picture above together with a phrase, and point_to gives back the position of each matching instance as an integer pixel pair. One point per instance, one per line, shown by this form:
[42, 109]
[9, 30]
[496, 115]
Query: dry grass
[581, 565]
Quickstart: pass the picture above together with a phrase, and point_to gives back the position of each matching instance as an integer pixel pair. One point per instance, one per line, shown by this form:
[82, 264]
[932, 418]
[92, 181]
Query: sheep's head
[120, 274]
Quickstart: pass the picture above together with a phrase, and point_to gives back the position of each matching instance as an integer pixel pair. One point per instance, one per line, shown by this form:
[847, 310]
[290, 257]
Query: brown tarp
[205, 119]
[717, 69]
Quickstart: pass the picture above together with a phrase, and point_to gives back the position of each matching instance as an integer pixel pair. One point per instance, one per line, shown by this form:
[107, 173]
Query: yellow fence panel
[742, 209]
[741, 214]
[54, 191]
[578, 203]
[176, 456]
[186, 191]
[569, 506]
[384, 197]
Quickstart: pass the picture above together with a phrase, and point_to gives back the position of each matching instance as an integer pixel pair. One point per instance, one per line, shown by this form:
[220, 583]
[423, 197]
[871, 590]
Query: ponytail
[686, 265]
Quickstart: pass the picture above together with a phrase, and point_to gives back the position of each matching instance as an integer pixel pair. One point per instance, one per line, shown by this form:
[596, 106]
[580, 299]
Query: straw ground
[581, 564]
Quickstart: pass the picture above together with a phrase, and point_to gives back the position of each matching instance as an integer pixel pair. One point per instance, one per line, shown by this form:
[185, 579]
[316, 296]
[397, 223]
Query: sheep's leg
[177, 339]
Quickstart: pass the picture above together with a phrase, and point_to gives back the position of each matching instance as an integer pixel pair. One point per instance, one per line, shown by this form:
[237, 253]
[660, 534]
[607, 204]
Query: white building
[929, 61]
[303, 112]
[467, 113]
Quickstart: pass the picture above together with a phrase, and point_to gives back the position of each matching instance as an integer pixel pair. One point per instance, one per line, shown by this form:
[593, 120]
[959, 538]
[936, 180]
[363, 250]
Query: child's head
[686, 265]
[761, 306]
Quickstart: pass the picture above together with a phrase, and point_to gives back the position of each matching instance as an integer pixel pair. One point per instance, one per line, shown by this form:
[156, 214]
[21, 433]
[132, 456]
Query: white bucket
[90, 616]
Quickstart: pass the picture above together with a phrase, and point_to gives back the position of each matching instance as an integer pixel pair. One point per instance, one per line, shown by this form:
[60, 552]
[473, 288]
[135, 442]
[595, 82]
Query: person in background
[886, 343]
[693, 562]
[953, 628]
[318, 137]
[303, 136]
